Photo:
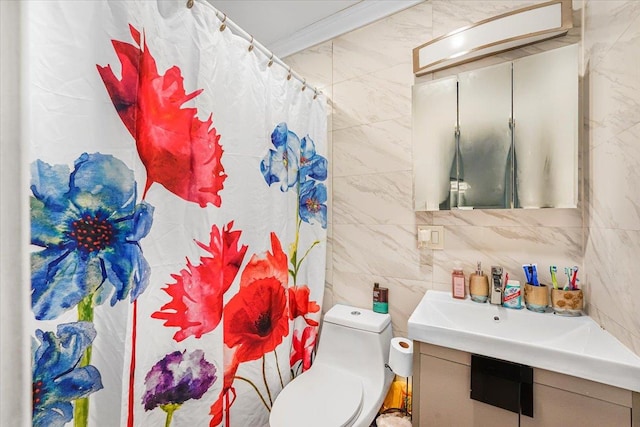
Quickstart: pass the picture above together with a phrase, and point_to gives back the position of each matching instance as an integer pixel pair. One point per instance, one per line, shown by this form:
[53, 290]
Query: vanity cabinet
[442, 388]
[444, 394]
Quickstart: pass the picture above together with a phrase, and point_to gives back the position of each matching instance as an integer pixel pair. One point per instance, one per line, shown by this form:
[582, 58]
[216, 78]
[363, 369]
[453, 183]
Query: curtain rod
[235, 28]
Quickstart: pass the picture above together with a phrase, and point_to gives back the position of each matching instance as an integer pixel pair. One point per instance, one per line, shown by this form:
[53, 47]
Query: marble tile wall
[612, 214]
[367, 77]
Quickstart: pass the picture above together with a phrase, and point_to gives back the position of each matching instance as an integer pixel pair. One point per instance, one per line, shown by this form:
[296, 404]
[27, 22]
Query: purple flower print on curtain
[176, 378]
[57, 377]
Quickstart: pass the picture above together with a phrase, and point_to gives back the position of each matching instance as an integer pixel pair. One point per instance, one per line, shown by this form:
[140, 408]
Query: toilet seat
[321, 397]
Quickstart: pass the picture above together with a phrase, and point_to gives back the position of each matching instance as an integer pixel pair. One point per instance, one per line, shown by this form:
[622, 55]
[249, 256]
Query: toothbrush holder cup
[567, 303]
[536, 298]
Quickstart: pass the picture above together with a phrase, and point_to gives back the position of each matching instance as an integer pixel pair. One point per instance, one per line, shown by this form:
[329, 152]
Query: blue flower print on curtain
[89, 226]
[282, 164]
[57, 377]
[312, 164]
[313, 196]
[176, 378]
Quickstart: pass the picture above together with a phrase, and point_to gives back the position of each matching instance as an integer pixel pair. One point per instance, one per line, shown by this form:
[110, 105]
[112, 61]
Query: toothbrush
[554, 280]
[531, 274]
[527, 273]
[567, 271]
[574, 277]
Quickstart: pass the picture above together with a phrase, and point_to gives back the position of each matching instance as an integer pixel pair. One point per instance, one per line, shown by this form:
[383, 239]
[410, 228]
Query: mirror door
[484, 161]
[545, 108]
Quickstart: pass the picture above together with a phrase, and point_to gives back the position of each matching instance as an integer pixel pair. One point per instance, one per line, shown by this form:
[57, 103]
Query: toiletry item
[512, 295]
[554, 280]
[457, 284]
[496, 285]
[380, 299]
[574, 278]
[534, 275]
[567, 272]
[531, 274]
[401, 356]
[479, 285]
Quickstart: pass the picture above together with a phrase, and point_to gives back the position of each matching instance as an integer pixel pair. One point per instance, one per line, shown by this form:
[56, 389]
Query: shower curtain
[178, 217]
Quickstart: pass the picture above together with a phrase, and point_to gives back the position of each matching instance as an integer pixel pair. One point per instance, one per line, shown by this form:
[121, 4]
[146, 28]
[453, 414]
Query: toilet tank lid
[357, 318]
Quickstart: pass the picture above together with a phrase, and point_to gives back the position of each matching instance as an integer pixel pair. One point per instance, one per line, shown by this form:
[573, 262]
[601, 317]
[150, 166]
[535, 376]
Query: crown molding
[349, 19]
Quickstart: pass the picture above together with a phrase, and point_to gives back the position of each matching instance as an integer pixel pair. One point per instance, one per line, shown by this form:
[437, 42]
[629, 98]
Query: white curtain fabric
[182, 180]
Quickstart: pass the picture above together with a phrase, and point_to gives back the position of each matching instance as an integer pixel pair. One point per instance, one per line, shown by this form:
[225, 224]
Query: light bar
[498, 34]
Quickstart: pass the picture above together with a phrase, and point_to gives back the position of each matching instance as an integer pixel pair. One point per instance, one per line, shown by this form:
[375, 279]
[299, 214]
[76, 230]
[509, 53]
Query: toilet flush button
[355, 313]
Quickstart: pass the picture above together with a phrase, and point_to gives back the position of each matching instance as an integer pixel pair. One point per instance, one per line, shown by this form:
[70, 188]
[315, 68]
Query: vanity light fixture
[490, 36]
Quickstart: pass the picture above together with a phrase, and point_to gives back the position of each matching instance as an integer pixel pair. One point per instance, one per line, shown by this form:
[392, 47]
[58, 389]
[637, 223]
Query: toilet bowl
[348, 380]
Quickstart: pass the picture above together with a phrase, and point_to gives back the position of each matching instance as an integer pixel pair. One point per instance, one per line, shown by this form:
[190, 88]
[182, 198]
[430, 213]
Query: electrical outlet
[431, 236]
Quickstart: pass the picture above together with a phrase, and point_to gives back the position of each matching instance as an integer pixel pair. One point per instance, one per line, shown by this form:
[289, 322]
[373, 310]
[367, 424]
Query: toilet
[348, 380]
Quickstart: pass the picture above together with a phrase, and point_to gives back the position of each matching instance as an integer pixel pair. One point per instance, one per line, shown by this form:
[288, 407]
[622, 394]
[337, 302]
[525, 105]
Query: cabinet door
[545, 110]
[445, 401]
[435, 116]
[484, 163]
[555, 407]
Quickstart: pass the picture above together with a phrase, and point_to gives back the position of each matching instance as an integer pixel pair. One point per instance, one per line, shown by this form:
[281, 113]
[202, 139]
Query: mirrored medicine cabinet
[504, 136]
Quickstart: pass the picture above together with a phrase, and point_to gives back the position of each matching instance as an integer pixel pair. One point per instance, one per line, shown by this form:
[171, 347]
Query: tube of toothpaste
[534, 268]
[512, 296]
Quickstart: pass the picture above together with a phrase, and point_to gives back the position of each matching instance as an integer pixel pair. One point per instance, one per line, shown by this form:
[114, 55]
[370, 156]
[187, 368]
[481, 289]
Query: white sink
[575, 346]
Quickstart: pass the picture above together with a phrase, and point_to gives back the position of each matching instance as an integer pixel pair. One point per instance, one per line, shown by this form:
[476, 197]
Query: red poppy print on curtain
[256, 318]
[224, 400]
[178, 150]
[197, 294]
[302, 346]
[300, 305]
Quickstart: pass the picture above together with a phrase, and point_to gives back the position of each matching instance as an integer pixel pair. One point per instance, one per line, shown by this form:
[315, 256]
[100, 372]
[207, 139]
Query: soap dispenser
[479, 285]
[496, 285]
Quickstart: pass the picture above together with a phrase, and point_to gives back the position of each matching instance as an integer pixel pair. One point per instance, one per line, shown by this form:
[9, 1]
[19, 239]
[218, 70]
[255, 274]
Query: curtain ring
[222, 24]
[270, 63]
[289, 75]
[304, 84]
[189, 4]
[315, 93]
[251, 44]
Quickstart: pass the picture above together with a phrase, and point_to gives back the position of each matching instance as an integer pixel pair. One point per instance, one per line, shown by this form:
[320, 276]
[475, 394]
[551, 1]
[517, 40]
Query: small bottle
[380, 299]
[457, 284]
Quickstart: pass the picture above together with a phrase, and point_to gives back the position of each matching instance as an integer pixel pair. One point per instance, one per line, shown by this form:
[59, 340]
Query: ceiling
[289, 26]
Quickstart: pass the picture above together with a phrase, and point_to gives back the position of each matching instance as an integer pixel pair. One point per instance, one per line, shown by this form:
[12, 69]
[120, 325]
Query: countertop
[575, 346]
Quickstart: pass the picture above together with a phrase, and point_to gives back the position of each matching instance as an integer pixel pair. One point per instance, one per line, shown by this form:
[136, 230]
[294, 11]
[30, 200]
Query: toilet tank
[355, 339]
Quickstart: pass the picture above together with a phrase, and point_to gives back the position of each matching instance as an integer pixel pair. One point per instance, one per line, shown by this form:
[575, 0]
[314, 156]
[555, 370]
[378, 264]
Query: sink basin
[575, 346]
